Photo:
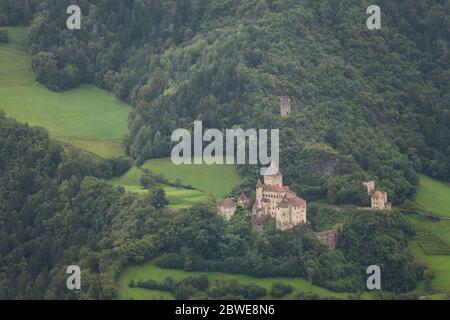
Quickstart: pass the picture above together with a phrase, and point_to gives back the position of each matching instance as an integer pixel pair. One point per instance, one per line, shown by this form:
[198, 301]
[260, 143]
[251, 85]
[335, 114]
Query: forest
[53, 213]
[366, 104]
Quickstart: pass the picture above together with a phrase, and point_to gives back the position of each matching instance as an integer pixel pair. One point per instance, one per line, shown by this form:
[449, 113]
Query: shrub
[279, 290]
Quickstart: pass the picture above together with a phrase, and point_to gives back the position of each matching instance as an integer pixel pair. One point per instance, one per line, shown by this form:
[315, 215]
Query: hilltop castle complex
[275, 201]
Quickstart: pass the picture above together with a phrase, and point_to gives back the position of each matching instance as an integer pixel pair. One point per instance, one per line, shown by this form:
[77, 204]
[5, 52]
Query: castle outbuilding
[243, 201]
[276, 201]
[227, 208]
[378, 199]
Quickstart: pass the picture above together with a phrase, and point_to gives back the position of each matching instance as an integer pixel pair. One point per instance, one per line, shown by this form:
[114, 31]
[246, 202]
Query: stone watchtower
[285, 106]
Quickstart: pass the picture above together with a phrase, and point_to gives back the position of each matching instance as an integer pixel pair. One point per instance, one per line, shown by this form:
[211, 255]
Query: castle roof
[259, 183]
[271, 188]
[379, 195]
[228, 203]
[291, 199]
[290, 195]
[242, 197]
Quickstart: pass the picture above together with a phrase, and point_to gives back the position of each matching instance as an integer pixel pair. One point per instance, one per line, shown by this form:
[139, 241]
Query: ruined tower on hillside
[370, 185]
[285, 106]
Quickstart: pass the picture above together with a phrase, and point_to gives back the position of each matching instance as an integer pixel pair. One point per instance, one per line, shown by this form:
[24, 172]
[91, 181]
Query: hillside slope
[366, 103]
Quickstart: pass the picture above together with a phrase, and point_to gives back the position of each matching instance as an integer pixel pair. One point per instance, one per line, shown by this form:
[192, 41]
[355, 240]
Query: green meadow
[15, 63]
[433, 196]
[150, 271]
[107, 148]
[130, 181]
[93, 119]
[87, 116]
[440, 265]
[179, 198]
[216, 179]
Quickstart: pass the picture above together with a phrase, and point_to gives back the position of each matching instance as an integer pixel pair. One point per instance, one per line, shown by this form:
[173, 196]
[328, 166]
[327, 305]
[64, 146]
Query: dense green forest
[54, 213]
[366, 103]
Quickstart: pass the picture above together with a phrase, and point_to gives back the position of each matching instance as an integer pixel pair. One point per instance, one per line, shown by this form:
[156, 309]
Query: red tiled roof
[379, 195]
[291, 200]
[228, 203]
[243, 197]
[275, 188]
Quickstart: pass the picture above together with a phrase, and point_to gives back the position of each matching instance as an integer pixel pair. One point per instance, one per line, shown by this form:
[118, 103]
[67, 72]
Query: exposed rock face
[328, 237]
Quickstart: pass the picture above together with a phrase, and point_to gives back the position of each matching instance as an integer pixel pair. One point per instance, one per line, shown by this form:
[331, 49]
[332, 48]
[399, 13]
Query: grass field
[440, 265]
[179, 198]
[150, 271]
[434, 196]
[431, 243]
[87, 116]
[216, 179]
[107, 148]
[15, 63]
[130, 181]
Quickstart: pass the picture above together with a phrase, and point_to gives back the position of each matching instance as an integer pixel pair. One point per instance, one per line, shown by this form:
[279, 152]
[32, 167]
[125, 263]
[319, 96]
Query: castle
[378, 199]
[275, 201]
